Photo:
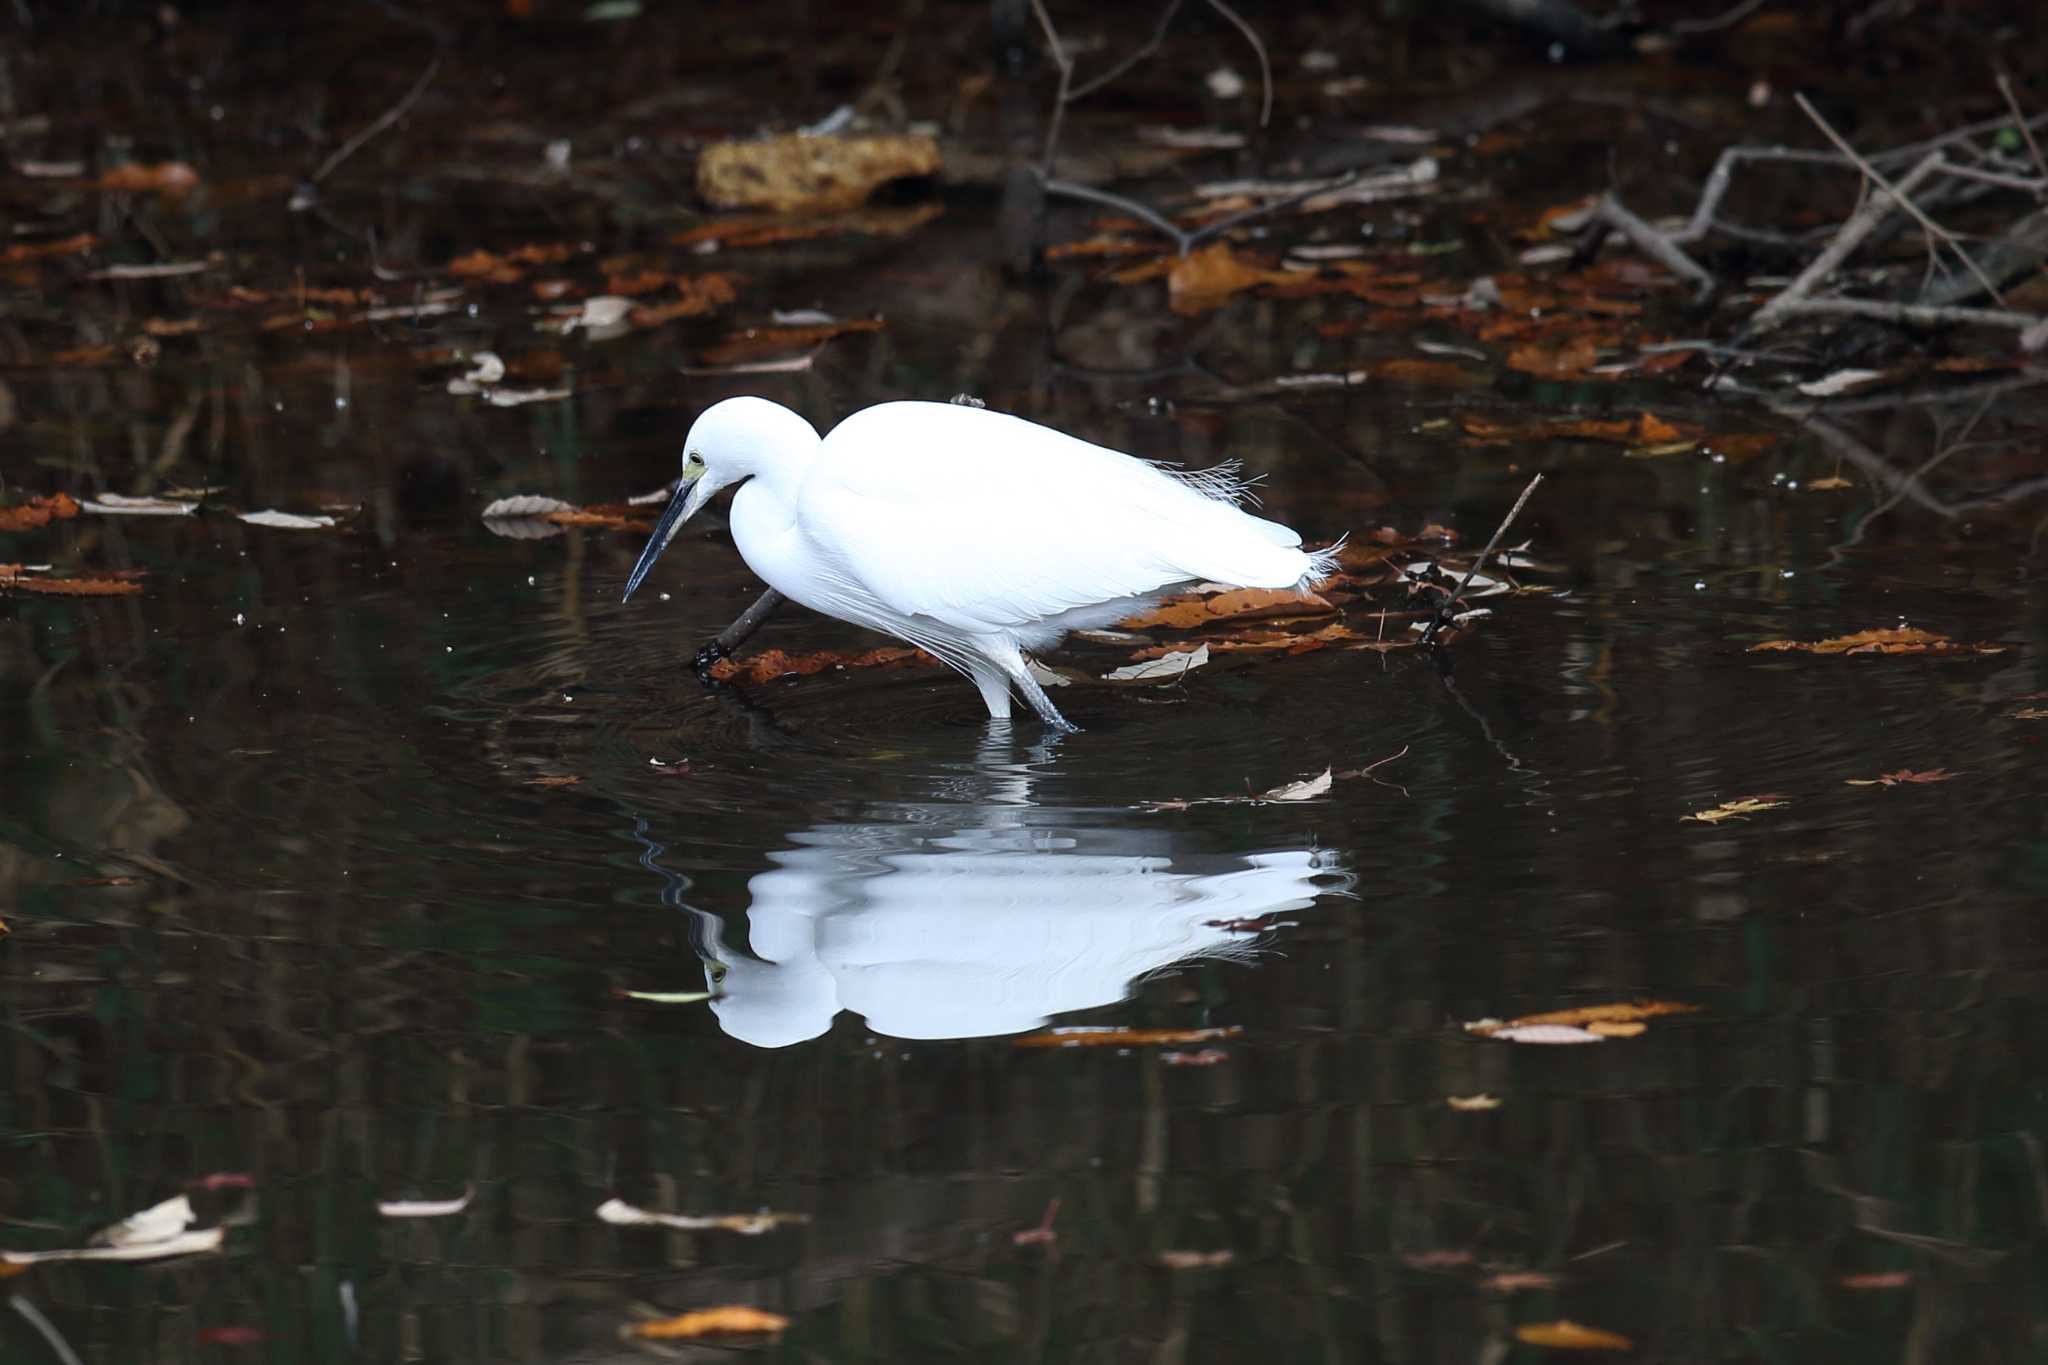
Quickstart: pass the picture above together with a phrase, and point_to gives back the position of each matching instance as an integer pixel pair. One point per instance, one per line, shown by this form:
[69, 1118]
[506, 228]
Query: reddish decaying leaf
[1103, 245]
[235, 1335]
[1450, 1258]
[1900, 640]
[1124, 1037]
[755, 343]
[1239, 604]
[12, 579]
[612, 516]
[696, 295]
[1566, 1335]
[1904, 776]
[8, 1269]
[554, 780]
[731, 1320]
[770, 664]
[37, 512]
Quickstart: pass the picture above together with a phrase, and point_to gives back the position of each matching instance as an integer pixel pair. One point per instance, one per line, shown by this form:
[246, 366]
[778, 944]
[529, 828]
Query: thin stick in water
[1443, 613]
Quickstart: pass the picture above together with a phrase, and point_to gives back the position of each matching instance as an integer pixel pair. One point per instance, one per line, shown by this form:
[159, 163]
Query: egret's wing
[987, 522]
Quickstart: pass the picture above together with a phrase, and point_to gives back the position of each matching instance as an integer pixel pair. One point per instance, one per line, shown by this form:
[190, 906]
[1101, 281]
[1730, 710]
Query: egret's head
[728, 442]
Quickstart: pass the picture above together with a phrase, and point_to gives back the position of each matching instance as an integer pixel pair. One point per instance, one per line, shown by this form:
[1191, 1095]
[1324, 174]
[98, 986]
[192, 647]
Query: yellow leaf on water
[1566, 1335]
[1470, 1104]
[1737, 809]
[729, 1321]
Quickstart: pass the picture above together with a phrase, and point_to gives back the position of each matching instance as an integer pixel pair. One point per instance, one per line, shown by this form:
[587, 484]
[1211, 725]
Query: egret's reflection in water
[983, 913]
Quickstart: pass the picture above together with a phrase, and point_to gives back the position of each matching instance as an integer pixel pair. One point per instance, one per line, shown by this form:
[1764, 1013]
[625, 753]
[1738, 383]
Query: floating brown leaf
[554, 780]
[1206, 278]
[695, 296]
[1239, 604]
[1566, 1335]
[1103, 245]
[749, 230]
[38, 512]
[1903, 776]
[1472, 1104]
[1208, 1056]
[801, 174]
[12, 578]
[729, 1321]
[1585, 1016]
[1900, 640]
[162, 177]
[770, 664]
[1125, 1037]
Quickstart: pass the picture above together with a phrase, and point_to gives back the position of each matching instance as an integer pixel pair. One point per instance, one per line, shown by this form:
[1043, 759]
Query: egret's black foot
[709, 656]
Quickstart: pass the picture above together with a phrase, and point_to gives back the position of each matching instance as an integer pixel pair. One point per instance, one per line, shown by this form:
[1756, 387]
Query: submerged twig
[1443, 613]
[383, 121]
[1265, 65]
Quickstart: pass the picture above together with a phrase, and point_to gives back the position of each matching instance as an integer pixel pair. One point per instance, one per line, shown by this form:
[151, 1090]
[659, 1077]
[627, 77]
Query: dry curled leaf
[732, 1320]
[1566, 1335]
[1900, 640]
[1740, 808]
[1124, 1037]
[804, 174]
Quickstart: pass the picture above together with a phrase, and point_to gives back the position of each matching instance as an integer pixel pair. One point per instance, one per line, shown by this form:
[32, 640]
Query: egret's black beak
[679, 509]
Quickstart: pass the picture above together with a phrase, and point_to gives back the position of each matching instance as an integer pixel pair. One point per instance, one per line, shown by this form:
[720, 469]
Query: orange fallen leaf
[38, 512]
[1828, 484]
[21, 252]
[1124, 1037]
[1569, 360]
[554, 780]
[162, 177]
[1901, 640]
[769, 664]
[8, 1269]
[1566, 1335]
[2030, 713]
[83, 356]
[1628, 1028]
[695, 296]
[1239, 604]
[732, 1320]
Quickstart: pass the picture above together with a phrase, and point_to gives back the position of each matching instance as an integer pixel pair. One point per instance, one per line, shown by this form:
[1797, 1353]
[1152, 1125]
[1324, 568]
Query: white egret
[974, 534]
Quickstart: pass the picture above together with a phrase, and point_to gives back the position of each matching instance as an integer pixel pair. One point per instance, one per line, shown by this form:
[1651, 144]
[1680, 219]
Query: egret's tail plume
[1322, 564]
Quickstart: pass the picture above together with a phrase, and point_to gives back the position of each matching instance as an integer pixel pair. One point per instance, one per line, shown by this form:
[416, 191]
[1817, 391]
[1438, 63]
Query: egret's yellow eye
[693, 462]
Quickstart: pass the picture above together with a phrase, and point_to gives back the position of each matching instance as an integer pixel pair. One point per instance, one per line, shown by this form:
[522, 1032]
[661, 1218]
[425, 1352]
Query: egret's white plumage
[975, 534]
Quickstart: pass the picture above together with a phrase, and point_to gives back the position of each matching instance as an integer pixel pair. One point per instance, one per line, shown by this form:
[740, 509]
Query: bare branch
[1443, 613]
[1151, 46]
[1065, 64]
[1935, 229]
[2026, 129]
[385, 120]
[1861, 224]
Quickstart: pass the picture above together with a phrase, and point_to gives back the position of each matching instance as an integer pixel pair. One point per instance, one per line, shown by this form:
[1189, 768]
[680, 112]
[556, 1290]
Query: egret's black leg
[735, 635]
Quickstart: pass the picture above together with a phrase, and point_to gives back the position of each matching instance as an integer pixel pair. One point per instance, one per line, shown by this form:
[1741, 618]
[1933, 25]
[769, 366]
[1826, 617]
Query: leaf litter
[1904, 777]
[727, 1321]
[1566, 1335]
[1740, 808]
[1579, 1023]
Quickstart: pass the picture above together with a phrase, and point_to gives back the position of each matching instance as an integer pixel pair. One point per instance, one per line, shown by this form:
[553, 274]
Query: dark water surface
[357, 955]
